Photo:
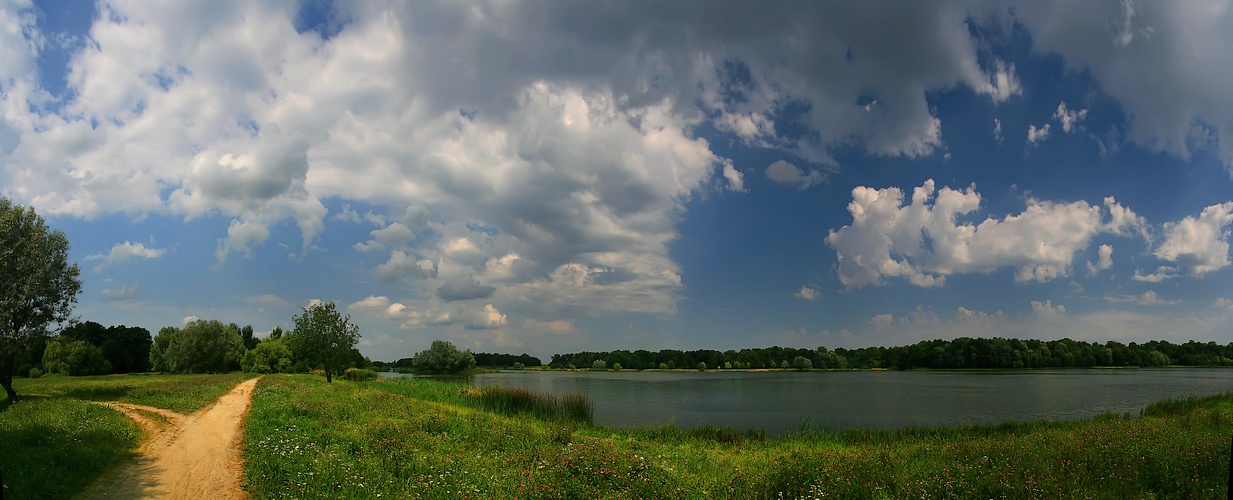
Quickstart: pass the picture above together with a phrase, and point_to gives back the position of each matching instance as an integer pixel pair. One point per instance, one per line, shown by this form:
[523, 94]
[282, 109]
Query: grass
[54, 442]
[180, 393]
[405, 438]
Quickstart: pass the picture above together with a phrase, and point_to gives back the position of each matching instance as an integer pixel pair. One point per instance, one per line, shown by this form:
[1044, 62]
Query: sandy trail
[186, 456]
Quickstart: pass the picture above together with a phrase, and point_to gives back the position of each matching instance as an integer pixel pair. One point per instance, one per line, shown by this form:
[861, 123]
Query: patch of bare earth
[184, 456]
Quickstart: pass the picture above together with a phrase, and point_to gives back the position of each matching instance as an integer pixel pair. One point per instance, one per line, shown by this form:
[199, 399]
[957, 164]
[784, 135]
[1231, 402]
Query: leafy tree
[270, 356]
[276, 333]
[802, 363]
[324, 339]
[126, 348]
[599, 364]
[38, 286]
[443, 357]
[74, 357]
[246, 334]
[702, 366]
[203, 346]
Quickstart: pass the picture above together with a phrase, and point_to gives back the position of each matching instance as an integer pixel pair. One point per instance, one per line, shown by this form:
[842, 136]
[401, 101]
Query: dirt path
[186, 456]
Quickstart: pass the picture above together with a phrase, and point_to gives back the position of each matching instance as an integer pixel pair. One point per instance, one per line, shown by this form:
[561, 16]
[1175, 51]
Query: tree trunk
[329, 377]
[6, 380]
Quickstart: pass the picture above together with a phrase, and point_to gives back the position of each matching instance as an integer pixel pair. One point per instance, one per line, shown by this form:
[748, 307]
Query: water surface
[781, 401]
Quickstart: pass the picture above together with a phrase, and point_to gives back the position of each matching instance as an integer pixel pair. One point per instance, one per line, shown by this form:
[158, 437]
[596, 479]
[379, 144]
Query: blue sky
[543, 176]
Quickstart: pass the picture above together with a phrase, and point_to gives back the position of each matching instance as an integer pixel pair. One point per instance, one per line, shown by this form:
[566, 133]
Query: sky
[551, 176]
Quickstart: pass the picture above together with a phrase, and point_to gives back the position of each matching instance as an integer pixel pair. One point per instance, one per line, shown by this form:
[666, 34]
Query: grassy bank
[408, 438]
[54, 442]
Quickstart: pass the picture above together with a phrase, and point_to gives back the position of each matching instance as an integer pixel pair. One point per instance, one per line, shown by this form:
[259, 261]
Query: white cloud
[486, 318]
[1162, 273]
[241, 236]
[393, 235]
[188, 319]
[121, 252]
[925, 240]
[807, 293]
[402, 266]
[1037, 134]
[1200, 245]
[882, 320]
[736, 181]
[1068, 117]
[789, 174]
[1046, 309]
[1104, 260]
[123, 292]
[997, 130]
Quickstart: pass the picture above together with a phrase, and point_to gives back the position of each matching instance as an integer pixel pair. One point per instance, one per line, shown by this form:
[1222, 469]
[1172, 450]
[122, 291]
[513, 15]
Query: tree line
[962, 352]
[322, 339]
[482, 360]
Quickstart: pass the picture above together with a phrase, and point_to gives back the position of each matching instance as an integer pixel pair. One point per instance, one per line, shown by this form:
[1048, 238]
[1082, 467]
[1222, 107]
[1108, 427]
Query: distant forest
[482, 360]
[959, 353]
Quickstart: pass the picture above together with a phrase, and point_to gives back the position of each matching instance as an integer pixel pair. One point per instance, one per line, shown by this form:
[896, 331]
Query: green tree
[270, 356]
[324, 339]
[74, 357]
[802, 363]
[443, 357]
[38, 286]
[246, 334]
[127, 348]
[203, 346]
[599, 364]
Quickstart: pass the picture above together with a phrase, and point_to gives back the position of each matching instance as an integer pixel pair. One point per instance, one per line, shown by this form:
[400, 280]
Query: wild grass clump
[359, 375]
[54, 447]
[517, 400]
[1186, 405]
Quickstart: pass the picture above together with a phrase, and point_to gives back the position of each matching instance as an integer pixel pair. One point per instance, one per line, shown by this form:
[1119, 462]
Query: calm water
[779, 401]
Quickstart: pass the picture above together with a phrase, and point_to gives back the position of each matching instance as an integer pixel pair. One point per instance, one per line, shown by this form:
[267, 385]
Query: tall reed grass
[551, 407]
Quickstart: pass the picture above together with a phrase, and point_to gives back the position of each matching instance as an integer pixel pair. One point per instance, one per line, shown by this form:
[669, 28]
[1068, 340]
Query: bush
[359, 375]
[702, 366]
[599, 364]
[35, 373]
[443, 357]
[616, 366]
[663, 366]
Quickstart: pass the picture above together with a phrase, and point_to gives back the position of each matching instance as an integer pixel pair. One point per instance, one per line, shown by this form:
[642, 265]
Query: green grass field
[53, 442]
[411, 438]
[422, 439]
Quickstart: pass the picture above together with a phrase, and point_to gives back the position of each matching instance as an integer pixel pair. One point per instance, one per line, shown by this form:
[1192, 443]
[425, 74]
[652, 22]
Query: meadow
[414, 438]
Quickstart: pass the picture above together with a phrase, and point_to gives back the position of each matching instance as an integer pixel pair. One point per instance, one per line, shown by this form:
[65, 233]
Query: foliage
[495, 360]
[270, 356]
[181, 393]
[599, 364]
[701, 366]
[324, 339]
[946, 354]
[203, 346]
[359, 375]
[516, 401]
[802, 363]
[39, 286]
[76, 357]
[126, 348]
[53, 448]
[246, 335]
[443, 357]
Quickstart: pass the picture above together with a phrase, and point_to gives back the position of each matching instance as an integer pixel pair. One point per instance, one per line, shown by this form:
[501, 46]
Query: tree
[246, 334]
[599, 364]
[802, 363]
[38, 286]
[203, 346]
[126, 348]
[74, 357]
[443, 357]
[324, 338]
[270, 356]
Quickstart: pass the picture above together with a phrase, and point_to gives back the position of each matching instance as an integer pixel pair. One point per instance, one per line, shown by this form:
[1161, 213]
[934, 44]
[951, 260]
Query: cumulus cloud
[736, 181]
[121, 252]
[1037, 134]
[788, 174]
[464, 290]
[1162, 273]
[403, 266]
[410, 317]
[925, 240]
[1046, 309]
[882, 320]
[485, 318]
[807, 293]
[1068, 117]
[997, 130]
[393, 235]
[1199, 245]
[1104, 260]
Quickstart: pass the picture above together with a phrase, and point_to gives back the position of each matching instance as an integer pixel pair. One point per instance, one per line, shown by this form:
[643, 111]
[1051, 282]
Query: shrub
[702, 366]
[359, 375]
[35, 373]
[599, 364]
[663, 366]
[616, 366]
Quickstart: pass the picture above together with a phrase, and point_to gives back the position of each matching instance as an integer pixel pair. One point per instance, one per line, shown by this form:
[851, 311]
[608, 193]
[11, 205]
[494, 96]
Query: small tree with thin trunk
[38, 286]
[324, 338]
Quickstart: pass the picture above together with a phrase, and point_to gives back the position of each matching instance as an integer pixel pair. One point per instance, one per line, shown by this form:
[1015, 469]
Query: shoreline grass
[415, 438]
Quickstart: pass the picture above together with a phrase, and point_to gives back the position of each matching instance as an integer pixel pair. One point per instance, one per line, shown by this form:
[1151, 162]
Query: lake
[781, 401]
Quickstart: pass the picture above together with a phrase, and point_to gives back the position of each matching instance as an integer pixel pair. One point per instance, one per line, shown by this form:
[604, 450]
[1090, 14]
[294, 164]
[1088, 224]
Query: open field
[55, 442]
[412, 438]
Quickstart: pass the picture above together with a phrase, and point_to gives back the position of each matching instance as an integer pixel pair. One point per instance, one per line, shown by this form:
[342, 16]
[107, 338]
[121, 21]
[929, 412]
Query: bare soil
[184, 456]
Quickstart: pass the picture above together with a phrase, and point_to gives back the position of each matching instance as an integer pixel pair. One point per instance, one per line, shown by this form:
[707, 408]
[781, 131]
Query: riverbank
[415, 438]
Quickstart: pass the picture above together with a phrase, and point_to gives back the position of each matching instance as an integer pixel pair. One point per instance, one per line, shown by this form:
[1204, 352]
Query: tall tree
[38, 285]
[324, 338]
